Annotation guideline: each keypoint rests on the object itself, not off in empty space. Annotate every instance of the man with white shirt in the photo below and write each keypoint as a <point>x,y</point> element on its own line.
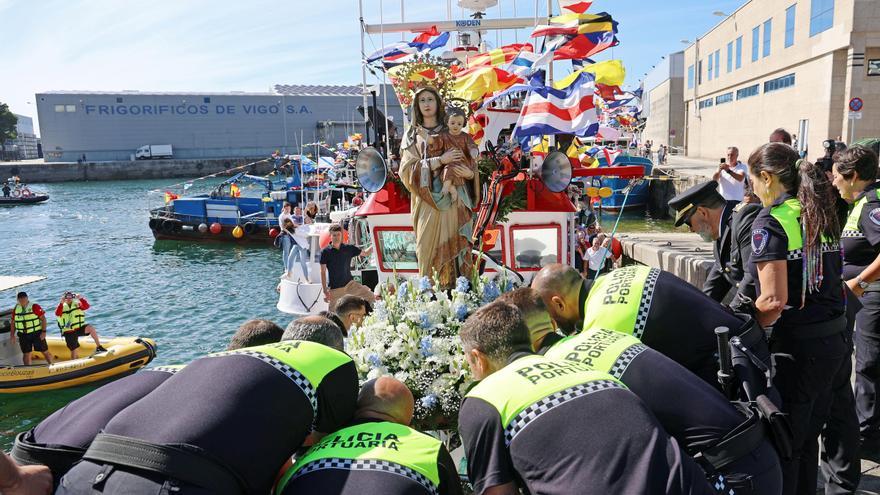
<point>731,176</point>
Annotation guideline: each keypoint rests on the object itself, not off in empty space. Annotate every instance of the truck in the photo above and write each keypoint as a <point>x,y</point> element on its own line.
<point>153,151</point>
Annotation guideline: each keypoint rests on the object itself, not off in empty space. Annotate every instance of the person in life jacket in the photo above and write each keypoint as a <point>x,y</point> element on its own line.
<point>231,419</point>
<point>796,262</point>
<point>60,440</point>
<point>71,318</point>
<point>556,426</point>
<point>29,327</point>
<point>666,313</point>
<point>377,453</point>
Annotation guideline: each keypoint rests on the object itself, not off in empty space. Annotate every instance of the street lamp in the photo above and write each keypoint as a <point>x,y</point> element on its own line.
<point>719,13</point>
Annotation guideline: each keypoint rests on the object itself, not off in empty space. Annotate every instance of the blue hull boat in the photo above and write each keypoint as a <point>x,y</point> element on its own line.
<point>638,197</point>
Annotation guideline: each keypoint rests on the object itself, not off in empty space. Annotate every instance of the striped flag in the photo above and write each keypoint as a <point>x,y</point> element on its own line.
<point>575,6</point>
<point>500,56</point>
<point>523,63</point>
<point>477,83</point>
<point>574,24</point>
<point>402,51</point>
<point>560,111</point>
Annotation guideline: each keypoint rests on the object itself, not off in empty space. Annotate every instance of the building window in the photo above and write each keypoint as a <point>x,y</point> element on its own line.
<point>207,99</point>
<point>768,26</point>
<point>779,83</point>
<point>70,108</point>
<point>700,72</point>
<point>730,57</point>
<point>717,63</point>
<point>118,99</point>
<point>874,67</point>
<point>821,16</point>
<point>706,103</point>
<point>59,108</point>
<point>746,92</point>
<point>739,52</point>
<point>756,43</point>
<point>725,98</point>
<point>789,25</point>
<point>711,65</point>
<point>691,77</point>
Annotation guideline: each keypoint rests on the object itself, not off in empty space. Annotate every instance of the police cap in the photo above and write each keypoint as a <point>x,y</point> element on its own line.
<point>699,195</point>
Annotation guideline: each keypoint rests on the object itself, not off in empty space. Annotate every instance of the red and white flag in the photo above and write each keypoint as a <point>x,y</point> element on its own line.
<point>574,6</point>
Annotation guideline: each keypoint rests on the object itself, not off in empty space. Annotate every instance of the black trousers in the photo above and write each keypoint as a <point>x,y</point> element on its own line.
<point>868,367</point>
<point>805,372</point>
<point>762,466</point>
<point>87,478</point>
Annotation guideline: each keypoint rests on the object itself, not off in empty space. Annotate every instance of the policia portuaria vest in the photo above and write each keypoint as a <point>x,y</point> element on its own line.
<point>788,214</point>
<point>25,319</point>
<point>530,386</point>
<point>72,317</point>
<point>851,229</point>
<point>603,350</point>
<point>621,300</point>
<point>304,363</point>
<point>377,446</point>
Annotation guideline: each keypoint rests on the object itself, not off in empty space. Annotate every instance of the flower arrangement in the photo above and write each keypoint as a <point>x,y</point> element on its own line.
<point>412,334</point>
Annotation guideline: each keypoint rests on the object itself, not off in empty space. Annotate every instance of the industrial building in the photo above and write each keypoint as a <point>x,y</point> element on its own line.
<point>112,125</point>
<point>795,64</point>
<point>663,103</point>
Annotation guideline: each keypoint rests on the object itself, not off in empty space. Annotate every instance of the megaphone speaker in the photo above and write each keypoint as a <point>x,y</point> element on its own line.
<point>556,171</point>
<point>371,170</point>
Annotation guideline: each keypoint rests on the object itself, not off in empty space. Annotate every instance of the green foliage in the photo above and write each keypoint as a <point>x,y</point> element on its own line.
<point>516,200</point>
<point>7,123</point>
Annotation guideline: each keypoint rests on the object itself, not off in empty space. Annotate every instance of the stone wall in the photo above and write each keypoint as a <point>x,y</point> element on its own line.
<point>124,170</point>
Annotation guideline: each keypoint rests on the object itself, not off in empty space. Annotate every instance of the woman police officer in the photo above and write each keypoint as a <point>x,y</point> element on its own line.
<point>854,176</point>
<point>796,262</point>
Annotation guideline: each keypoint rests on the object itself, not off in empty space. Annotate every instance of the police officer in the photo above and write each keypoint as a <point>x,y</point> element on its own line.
<point>378,453</point>
<point>734,449</point>
<point>729,225</point>
<point>663,311</point>
<point>796,263</point>
<point>62,438</point>
<point>556,426</point>
<point>226,422</point>
<point>854,176</point>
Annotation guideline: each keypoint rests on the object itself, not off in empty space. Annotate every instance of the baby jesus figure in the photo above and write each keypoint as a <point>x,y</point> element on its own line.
<point>458,173</point>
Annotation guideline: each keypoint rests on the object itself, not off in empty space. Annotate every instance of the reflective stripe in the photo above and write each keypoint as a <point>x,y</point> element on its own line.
<point>295,376</point>
<point>622,362</point>
<point>827,247</point>
<point>621,300</point>
<point>851,229</point>
<point>25,319</point>
<point>367,465</point>
<point>72,317</point>
<point>645,303</point>
<point>600,349</point>
<point>534,411</point>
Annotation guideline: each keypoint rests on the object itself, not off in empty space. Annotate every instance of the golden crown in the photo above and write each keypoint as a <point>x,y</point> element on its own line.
<point>423,72</point>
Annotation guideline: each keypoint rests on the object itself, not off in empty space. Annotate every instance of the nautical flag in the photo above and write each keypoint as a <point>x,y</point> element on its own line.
<point>610,155</point>
<point>559,111</point>
<point>480,82</point>
<point>549,51</point>
<point>523,63</point>
<point>586,45</point>
<point>574,24</point>
<point>170,196</point>
<point>608,72</point>
<point>397,52</point>
<point>575,6</point>
<point>234,190</point>
<point>499,56</point>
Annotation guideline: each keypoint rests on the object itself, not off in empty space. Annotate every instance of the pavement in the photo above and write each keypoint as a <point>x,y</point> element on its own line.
<point>689,257</point>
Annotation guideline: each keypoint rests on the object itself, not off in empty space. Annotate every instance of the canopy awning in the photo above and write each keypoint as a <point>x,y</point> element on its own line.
<point>10,281</point>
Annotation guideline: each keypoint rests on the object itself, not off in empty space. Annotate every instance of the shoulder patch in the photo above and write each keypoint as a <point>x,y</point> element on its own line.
<point>759,240</point>
<point>875,216</point>
<point>739,206</point>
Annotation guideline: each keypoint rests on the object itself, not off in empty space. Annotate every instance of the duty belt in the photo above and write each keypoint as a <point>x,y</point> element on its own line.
<point>737,444</point>
<point>59,459</point>
<point>180,463</point>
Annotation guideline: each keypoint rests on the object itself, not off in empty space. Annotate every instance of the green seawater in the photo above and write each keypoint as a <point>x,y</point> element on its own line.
<point>93,238</point>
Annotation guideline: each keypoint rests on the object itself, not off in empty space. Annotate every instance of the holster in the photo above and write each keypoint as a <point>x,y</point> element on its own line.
<point>780,428</point>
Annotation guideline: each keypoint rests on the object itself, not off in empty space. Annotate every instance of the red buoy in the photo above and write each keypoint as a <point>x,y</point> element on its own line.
<point>273,232</point>
<point>216,228</point>
<point>324,238</point>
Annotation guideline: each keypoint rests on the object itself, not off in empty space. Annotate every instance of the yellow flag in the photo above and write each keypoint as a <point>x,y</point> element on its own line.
<point>609,72</point>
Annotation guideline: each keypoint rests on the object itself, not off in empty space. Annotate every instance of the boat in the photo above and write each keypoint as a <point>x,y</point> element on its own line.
<point>123,356</point>
<point>638,195</point>
<point>24,200</point>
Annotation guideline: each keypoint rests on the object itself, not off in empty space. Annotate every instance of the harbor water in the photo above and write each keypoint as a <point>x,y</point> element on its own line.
<point>93,238</point>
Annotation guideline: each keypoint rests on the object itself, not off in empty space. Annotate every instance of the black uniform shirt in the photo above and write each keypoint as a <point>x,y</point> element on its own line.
<point>241,410</point>
<point>720,279</point>
<point>770,243</point>
<point>338,263</point>
<point>344,481</point>
<point>599,443</point>
<point>860,250</point>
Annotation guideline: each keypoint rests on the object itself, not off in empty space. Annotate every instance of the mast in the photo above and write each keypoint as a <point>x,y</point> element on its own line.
<point>363,67</point>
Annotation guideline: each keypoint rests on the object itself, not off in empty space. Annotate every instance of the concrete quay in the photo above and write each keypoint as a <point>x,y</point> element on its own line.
<point>37,171</point>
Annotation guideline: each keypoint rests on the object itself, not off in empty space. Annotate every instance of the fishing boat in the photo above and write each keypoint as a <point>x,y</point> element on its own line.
<point>123,356</point>
<point>21,194</point>
<point>624,194</point>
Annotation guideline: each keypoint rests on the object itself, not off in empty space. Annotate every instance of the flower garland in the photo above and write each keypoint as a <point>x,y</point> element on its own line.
<point>412,334</point>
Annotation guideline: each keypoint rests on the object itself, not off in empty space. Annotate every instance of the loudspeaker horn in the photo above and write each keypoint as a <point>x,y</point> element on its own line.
<point>556,171</point>
<point>371,170</point>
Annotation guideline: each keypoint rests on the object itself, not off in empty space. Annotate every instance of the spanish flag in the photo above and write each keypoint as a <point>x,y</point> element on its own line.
<point>477,83</point>
<point>234,190</point>
<point>169,197</point>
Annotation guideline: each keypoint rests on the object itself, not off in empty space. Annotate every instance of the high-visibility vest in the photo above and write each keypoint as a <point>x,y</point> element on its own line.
<point>852,229</point>
<point>600,349</point>
<point>621,300</point>
<point>377,446</point>
<point>25,319</point>
<point>788,214</point>
<point>530,386</point>
<point>72,317</point>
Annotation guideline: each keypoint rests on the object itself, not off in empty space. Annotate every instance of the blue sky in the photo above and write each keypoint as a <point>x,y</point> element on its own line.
<point>201,45</point>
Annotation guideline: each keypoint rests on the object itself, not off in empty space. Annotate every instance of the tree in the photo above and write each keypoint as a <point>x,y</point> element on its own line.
<point>8,120</point>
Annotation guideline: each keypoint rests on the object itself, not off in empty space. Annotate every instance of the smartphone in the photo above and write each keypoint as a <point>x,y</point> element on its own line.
<point>724,160</point>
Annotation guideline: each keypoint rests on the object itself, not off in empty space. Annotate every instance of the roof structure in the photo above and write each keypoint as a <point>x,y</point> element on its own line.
<point>317,90</point>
